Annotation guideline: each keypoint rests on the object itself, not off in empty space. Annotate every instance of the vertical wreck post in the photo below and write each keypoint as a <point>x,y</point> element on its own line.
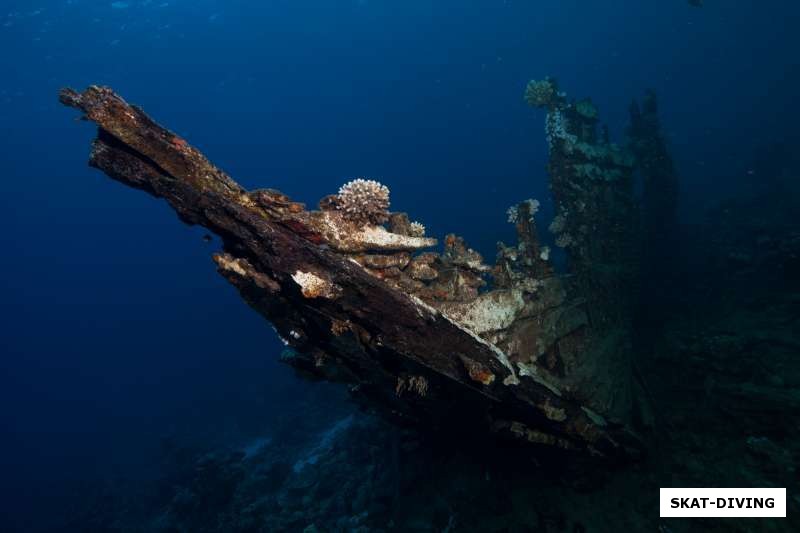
<point>660,188</point>
<point>595,224</point>
<point>659,178</point>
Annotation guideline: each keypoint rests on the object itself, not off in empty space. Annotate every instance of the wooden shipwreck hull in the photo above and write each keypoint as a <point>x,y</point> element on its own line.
<point>362,304</point>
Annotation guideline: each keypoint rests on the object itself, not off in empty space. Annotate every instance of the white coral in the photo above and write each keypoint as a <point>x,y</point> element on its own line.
<point>416,229</point>
<point>556,130</point>
<point>544,253</point>
<point>364,201</point>
<point>513,214</point>
<point>313,286</point>
<point>513,211</point>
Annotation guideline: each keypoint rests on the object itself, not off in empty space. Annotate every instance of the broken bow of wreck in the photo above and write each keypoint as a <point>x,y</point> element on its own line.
<point>433,339</point>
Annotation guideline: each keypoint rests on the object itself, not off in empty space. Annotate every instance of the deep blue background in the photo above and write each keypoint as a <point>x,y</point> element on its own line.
<point>117,329</point>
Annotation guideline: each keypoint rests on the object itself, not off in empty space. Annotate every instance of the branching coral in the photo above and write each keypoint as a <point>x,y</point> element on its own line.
<point>364,201</point>
<point>513,211</point>
<point>541,93</point>
<point>586,109</point>
<point>416,229</point>
<point>513,214</point>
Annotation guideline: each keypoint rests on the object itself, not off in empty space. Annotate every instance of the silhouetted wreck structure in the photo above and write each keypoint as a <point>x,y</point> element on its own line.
<point>659,179</point>
<point>660,244</point>
<point>356,293</point>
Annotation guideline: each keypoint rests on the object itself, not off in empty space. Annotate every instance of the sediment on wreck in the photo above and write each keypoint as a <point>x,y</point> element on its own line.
<point>359,297</point>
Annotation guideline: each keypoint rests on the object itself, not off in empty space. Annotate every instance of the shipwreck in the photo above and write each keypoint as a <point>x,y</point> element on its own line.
<point>428,333</point>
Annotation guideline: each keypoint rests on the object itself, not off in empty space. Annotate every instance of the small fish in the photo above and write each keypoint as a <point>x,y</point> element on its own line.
<point>696,3</point>
<point>206,238</point>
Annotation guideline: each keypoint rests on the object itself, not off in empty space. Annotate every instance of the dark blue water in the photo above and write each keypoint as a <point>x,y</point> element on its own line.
<point>116,328</point>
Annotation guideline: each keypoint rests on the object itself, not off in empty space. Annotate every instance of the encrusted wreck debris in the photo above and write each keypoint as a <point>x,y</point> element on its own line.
<point>439,340</point>
<point>595,223</point>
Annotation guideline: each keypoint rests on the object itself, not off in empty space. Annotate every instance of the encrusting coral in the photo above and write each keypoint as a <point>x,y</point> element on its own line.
<point>364,201</point>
